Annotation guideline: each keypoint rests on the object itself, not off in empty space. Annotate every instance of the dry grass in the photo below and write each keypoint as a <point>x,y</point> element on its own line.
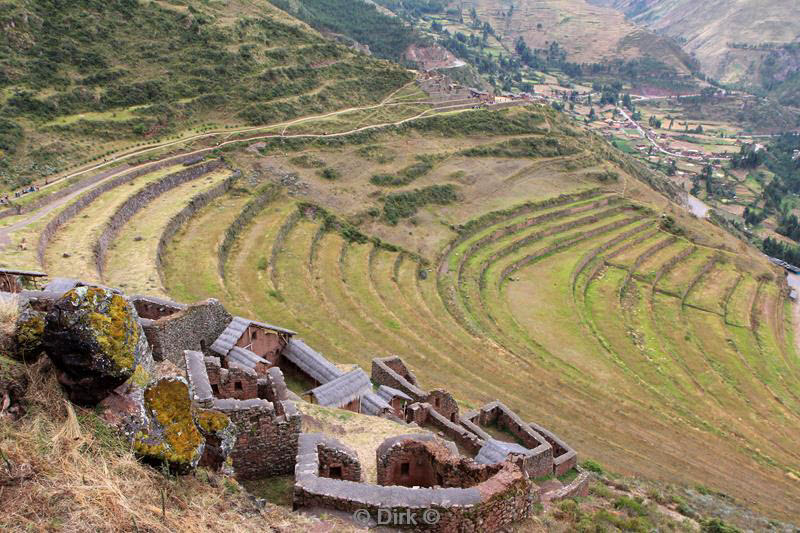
<point>68,471</point>
<point>9,311</point>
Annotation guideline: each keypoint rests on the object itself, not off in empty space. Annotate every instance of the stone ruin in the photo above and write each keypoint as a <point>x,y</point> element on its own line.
<point>218,381</point>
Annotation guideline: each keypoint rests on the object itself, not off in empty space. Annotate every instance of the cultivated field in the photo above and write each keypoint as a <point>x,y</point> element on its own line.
<point>544,283</point>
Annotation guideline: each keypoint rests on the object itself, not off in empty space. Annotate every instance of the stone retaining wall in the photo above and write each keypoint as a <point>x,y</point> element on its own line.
<point>177,221</point>
<point>266,432</point>
<point>138,201</point>
<point>505,498</point>
<point>85,200</point>
<point>250,210</point>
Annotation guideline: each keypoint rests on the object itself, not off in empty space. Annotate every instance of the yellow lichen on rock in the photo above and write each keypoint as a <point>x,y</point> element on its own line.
<point>211,421</point>
<point>173,436</point>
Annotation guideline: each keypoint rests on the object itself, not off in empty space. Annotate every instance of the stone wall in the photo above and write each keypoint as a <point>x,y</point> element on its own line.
<point>564,457</point>
<point>175,223</point>
<point>267,432</point>
<point>424,414</point>
<point>194,328</point>
<point>138,201</point>
<point>235,382</point>
<point>266,442</point>
<point>337,461</point>
<point>422,461</point>
<point>538,461</point>
<point>498,502</point>
<point>392,372</point>
<point>444,403</point>
<point>69,212</point>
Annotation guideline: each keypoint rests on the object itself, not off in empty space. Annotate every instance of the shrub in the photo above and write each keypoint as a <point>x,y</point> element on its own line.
<point>592,466</point>
<point>633,507</point>
<point>329,174</point>
<point>405,204</point>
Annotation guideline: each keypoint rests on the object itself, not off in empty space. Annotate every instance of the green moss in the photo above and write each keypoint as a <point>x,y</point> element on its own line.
<point>211,421</point>
<point>168,400</point>
<point>141,377</point>
<point>29,335</point>
<point>116,331</point>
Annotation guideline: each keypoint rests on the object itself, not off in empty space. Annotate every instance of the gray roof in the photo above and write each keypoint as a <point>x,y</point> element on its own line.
<point>343,390</point>
<point>228,339</point>
<point>373,404</point>
<point>311,362</point>
<point>389,393</point>
<point>29,273</point>
<point>61,285</point>
<point>495,451</point>
<point>158,301</point>
<point>245,358</point>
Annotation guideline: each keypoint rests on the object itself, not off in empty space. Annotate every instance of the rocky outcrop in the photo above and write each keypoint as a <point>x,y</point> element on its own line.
<point>220,436</point>
<point>95,341</point>
<point>29,334</point>
<point>170,435</point>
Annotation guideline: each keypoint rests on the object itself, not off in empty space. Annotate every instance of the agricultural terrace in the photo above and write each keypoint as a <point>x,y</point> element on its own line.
<point>502,255</point>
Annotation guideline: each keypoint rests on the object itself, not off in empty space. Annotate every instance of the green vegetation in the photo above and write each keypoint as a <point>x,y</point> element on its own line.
<point>103,59</point>
<point>406,175</point>
<point>405,204</point>
<point>525,147</point>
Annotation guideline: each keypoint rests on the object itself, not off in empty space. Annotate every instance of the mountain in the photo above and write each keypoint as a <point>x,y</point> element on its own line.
<point>747,41</point>
<point>81,80</point>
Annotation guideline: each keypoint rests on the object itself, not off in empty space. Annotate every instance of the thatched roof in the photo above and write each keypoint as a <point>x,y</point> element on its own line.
<point>245,358</point>
<point>343,390</point>
<point>495,451</point>
<point>311,362</point>
<point>389,393</point>
<point>373,404</point>
<point>228,339</point>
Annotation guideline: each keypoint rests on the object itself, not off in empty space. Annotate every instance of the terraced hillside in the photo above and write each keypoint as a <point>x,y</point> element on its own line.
<point>82,80</point>
<point>503,255</point>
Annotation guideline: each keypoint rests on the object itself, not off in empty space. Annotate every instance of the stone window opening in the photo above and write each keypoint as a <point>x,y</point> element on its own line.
<point>436,402</point>
<point>405,469</point>
<point>215,389</point>
<point>202,345</point>
<point>335,472</point>
<point>237,385</point>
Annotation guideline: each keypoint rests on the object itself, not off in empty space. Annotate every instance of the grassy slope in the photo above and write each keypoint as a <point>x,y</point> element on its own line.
<point>627,374</point>
<point>89,78</point>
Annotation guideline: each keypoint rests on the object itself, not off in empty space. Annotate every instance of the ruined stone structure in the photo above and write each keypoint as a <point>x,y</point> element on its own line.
<point>267,428</point>
<point>482,478</point>
<point>172,328</point>
<point>483,499</point>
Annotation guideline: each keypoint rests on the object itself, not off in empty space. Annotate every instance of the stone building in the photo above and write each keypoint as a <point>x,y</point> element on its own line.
<point>267,424</point>
<point>344,392</point>
<point>254,344</point>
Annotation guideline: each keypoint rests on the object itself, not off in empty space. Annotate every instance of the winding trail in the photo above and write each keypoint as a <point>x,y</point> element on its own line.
<point>5,232</point>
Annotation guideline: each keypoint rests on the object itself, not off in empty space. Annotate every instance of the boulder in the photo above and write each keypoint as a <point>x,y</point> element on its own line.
<point>170,435</point>
<point>94,339</point>
<point>220,435</point>
<point>29,334</point>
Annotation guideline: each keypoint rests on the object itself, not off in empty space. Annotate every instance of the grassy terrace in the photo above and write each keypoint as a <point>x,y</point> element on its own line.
<point>656,353</point>
<point>139,238</point>
<point>76,238</point>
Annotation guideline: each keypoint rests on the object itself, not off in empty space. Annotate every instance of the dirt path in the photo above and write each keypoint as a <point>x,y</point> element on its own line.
<point>45,210</point>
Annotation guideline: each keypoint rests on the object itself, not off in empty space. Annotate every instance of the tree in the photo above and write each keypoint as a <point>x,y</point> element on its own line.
<point>592,114</point>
